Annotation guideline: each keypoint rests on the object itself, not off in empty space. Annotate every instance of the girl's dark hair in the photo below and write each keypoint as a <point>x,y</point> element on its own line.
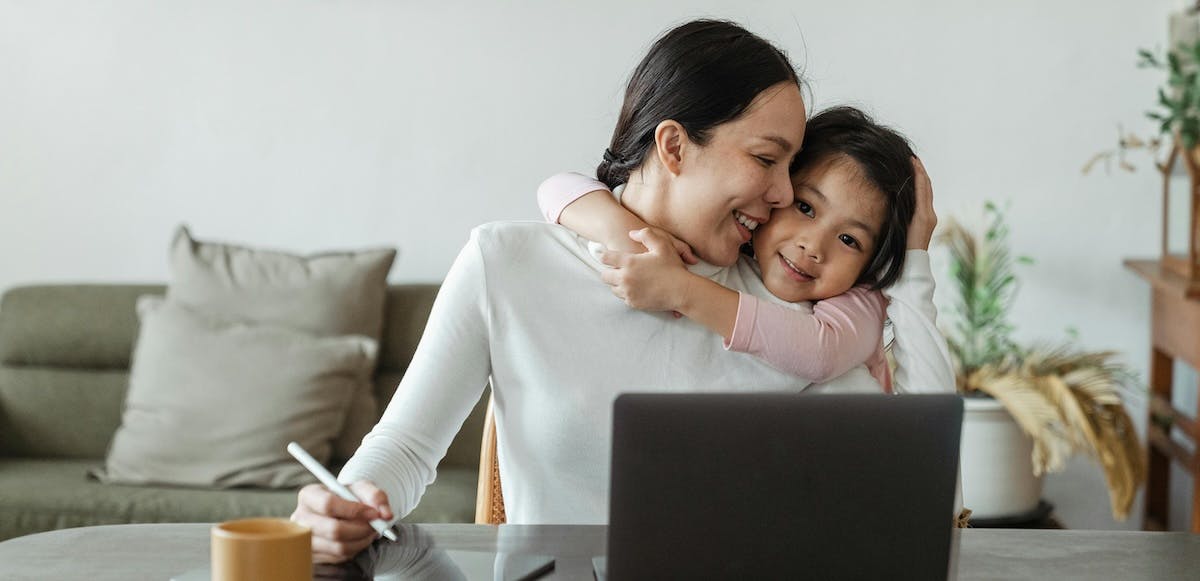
<point>885,159</point>
<point>700,74</point>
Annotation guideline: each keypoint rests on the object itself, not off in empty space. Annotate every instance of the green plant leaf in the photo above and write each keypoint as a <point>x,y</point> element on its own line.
<point>1164,100</point>
<point>1147,59</point>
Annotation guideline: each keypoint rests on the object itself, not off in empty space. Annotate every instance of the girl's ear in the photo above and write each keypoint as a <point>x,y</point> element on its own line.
<point>670,139</point>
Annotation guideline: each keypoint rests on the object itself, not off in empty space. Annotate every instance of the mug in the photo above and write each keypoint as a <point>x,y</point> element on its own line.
<point>261,549</point>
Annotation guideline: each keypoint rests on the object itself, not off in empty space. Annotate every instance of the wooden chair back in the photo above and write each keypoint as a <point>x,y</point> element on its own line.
<point>489,498</point>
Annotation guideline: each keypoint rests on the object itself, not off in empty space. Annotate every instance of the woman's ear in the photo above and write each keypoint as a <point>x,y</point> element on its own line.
<point>670,138</point>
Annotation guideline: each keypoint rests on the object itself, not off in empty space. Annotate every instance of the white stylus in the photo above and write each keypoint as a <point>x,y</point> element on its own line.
<point>331,483</point>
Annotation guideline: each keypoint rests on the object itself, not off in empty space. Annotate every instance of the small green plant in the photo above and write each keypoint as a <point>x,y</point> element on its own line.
<point>982,268</point>
<point>1177,115</point>
<point>1179,100</point>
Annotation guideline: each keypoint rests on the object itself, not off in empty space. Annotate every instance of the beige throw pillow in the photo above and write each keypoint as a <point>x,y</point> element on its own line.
<point>335,293</point>
<point>213,402</point>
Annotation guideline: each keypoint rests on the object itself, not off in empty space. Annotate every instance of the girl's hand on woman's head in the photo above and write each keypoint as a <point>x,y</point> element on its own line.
<point>655,280</point>
<point>920,232</point>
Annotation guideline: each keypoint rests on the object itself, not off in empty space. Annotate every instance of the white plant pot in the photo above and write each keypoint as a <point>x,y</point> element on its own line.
<point>997,464</point>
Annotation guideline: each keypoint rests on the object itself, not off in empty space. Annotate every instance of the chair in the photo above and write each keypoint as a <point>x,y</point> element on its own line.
<point>489,498</point>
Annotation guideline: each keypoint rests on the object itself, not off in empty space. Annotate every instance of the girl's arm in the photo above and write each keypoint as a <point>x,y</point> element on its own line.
<point>923,363</point>
<point>840,333</point>
<point>588,207</point>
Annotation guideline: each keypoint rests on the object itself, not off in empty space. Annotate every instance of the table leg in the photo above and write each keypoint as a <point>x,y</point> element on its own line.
<point>1158,464</point>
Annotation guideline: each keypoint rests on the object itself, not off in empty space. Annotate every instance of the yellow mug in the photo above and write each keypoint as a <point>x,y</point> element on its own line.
<point>261,549</point>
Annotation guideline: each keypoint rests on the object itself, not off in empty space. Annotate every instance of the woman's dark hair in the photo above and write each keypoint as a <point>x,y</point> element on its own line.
<point>700,74</point>
<point>884,158</point>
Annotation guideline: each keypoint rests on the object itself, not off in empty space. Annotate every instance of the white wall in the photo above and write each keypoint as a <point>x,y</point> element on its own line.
<point>314,124</point>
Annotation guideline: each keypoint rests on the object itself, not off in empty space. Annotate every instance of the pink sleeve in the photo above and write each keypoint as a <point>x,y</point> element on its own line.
<point>840,333</point>
<point>559,190</point>
<point>877,364</point>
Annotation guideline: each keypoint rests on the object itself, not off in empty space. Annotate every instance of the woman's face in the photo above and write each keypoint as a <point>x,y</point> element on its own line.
<point>725,189</point>
<point>819,247</point>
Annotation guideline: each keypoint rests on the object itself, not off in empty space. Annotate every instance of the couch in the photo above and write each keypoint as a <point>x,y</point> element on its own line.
<point>64,369</point>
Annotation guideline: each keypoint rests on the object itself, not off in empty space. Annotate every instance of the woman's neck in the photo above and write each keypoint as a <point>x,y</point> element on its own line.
<point>645,199</point>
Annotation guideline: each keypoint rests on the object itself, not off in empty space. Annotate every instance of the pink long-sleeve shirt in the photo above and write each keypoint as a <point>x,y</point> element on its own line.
<point>838,334</point>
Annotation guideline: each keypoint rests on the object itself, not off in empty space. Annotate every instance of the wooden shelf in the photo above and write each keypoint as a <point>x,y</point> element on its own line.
<point>1174,334</point>
<point>1163,278</point>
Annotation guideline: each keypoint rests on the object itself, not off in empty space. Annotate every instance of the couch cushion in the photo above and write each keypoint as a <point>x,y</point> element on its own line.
<point>49,331</point>
<point>94,326</point>
<point>42,495</point>
<point>59,412</point>
<point>333,293</point>
<point>405,313</point>
<point>74,326</point>
<point>214,401</point>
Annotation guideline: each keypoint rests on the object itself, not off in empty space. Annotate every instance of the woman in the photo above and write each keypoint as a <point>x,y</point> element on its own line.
<point>712,117</point>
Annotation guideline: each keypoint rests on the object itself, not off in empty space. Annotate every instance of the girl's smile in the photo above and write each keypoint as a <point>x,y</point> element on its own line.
<point>819,247</point>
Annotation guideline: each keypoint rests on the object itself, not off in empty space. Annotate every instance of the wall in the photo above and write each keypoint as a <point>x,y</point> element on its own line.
<point>307,125</point>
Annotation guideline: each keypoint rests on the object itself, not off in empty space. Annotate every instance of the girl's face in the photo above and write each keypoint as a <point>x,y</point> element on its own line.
<point>727,187</point>
<point>819,247</point>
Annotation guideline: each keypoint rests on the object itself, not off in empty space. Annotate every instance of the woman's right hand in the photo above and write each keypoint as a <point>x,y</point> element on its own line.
<point>340,528</point>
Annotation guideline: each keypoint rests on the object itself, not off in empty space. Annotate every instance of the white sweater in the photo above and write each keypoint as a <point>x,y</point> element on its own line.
<point>523,304</point>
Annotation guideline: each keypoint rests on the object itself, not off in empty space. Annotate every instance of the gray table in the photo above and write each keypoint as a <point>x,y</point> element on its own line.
<point>158,551</point>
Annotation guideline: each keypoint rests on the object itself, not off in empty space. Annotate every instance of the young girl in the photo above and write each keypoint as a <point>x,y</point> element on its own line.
<point>841,241</point>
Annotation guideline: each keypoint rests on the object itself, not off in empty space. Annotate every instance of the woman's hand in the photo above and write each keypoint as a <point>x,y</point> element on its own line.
<point>340,528</point>
<point>920,232</point>
<point>655,280</point>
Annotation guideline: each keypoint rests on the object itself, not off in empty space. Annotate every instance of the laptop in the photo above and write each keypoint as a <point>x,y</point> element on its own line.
<point>782,486</point>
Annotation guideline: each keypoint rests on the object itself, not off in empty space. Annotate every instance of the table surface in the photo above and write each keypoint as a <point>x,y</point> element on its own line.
<point>160,551</point>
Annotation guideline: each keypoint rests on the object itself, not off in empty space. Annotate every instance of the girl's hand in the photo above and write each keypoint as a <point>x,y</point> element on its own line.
<point>637,246</point>
<point>685,251</point>
<point>655,280</point>
<point>920,232</point>
<point>634,245</point>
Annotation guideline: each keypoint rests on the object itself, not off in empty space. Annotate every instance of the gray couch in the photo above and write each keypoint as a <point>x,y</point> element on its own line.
<point>64,369</point>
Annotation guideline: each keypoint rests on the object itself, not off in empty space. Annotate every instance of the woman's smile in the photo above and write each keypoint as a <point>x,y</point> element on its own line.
<point>746,224</point>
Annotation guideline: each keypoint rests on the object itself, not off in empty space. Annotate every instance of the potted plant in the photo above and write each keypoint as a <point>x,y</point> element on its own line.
<point>1028,408</point>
